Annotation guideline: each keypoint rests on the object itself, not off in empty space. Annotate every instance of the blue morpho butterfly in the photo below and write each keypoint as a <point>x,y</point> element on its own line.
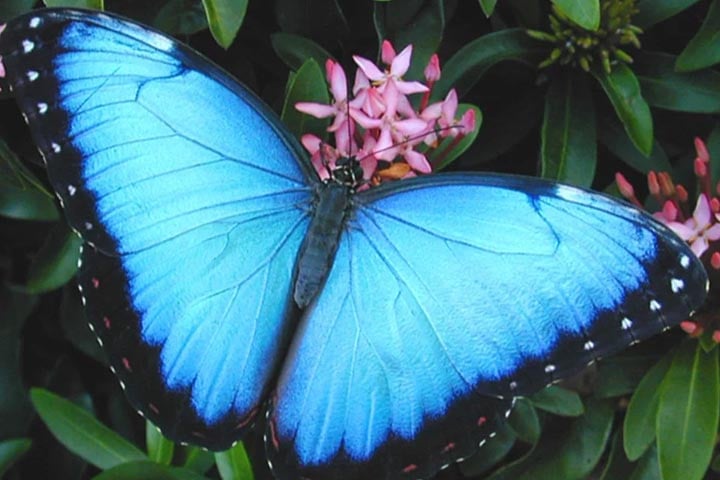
<point>429,304</point>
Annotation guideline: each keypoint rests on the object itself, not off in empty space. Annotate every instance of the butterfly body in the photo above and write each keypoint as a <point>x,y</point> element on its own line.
<point>321,241</point>
<point>430,303</point>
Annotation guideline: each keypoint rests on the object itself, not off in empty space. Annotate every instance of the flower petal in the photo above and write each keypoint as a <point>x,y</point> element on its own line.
<point>699,246</point>
<point>311,142</point>
<point>417,161</point>
<point>682,231</point>
<point>369,68</point>
<point>338,83</point>
<point>411,127</point>
<point>409,88</point>
<point>387,52</point>
<point>317,110</point>
<point>702,212</point>
<point>713,233</point>
<point>401,62</point>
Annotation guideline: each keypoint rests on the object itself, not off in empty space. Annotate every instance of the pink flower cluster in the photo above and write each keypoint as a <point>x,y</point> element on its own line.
<point>699,227</point>
<point>378,125</point>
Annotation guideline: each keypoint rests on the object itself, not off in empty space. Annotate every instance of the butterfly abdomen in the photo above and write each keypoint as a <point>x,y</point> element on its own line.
<point>321,241</point>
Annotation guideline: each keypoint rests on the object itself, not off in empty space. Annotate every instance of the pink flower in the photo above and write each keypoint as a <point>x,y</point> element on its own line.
<point>699,230</point>
<point>338,87</point>
<point>378,126</point>
<point>399,65</point>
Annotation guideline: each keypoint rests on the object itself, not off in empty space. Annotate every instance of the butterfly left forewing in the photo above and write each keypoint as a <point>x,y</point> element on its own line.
<point>192,202</point>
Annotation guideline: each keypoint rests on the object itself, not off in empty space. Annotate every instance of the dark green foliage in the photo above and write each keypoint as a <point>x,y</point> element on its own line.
<point>560,122</point>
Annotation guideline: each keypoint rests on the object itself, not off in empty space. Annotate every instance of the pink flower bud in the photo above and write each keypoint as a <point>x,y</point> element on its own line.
<point>700,166</point>
<point>432,71</point>
<point>682,194</point>
<point>625,187</point>
<point>691,328</point>
<point>670,211</point>
<point>716,336</point>
<point>701,150</point>
<point>715,205</point>
<point>715,260</point>
<point>467,122</point>
<point>653,184</point>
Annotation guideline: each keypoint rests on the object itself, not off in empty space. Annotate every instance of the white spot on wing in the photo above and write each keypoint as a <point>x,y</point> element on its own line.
<point>71,190</point>
<point>549,368</point>
<point>676,285</point>
<point>34,22</point>
<point>32,75</point>
<point>589,345</point>
<point>55,147</point>
<point>655,306</point>
<point>685,261</point>
<point>27,46</point>
<point>626,323</point>
<point>42,108</point>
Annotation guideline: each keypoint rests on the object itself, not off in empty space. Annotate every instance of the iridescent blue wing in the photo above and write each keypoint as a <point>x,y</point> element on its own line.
<point>192,203</point>
<point>450,291</point>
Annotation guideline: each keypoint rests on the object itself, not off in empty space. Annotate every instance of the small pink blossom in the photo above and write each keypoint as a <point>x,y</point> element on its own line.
<point>700,229</point>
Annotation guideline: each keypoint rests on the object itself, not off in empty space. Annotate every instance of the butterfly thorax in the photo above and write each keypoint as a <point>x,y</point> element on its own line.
<point>321,241</point>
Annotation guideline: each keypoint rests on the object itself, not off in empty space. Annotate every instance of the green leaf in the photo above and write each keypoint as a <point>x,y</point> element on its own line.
<point>504,127</point>
<point>419,24</point>
<point>468,65</point>
<point>56,262</point>
<point>12,8</point>
<point>11,451</point>
<point>569,457</point>
<point>448,151</point>
<point>75,325</point>
<point>612,135</point>
<point>617,465</point>
<point>641,415</point>
<point>307,85</point>
<point>15,409</point>
<point>295,50</point>
<point>559,401</point>
<point>623,90</point>
<point>648,467</point>
<point>22,195</point>
<point>492,451</point>
<point>687,420</point>
<point>160,449</point>
<point>147,470</point>
<point>199,460</point>
<point>703,50</point>
<point>91,4</point>
<point>620,374</point>
<point>225,17</point>
<point>585,13</point>
<point>16,173</point>
<point>651,12</point>
<point>81,433</point>
<point>524,421</point>
<point>568,148</point>
<point>180,17</point>
<point>488,6</point>
<point>663,87</point>
<point>233,464</point>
